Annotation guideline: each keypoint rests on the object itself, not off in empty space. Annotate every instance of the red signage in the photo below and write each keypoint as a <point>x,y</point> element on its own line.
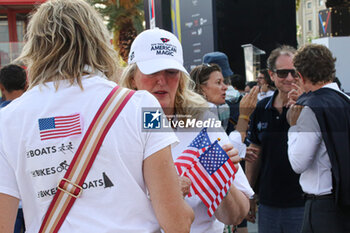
<point>21,2</point>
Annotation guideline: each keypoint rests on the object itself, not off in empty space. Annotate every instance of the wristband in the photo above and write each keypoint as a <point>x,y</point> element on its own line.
<point>245,117</point>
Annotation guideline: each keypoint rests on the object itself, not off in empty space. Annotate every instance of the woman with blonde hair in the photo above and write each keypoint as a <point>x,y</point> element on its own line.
<point>156,65</point>
<point>128,189</point>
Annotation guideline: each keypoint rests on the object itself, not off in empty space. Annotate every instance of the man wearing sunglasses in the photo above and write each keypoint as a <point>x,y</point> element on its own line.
<point>281,206</point>
<point>319,142</point>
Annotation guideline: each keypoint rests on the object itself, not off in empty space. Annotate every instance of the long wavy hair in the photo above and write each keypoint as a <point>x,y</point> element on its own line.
<point>62,37</point>
<point>187,102</point>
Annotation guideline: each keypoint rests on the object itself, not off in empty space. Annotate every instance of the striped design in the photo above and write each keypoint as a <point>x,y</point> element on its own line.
<point>84,158</point>
<point>211,189</point>
<point>187,159</point>
<point>189,156</point>
<point>59,127</point>
<point>151,9</point>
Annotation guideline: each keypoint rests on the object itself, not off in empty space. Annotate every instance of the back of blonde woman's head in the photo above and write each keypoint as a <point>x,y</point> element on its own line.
<point>62,37</point>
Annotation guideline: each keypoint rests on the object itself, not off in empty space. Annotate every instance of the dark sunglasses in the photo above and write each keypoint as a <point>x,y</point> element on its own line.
<point>284,73</point>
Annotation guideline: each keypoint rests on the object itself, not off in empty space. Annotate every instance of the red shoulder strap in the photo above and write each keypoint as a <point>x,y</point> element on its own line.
<point>70,187</point>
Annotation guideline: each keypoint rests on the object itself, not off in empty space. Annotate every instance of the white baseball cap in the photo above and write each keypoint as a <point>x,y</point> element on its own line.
<point>154,50</point>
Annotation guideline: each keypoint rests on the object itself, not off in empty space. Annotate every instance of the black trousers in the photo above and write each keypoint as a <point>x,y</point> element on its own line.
<point>323,216</point>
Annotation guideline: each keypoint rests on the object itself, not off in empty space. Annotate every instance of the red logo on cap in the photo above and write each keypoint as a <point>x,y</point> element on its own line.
<point>164,39</point>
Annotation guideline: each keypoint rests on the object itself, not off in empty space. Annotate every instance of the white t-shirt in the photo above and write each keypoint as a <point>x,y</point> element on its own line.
<point>114,197</point>
<point>202,223</point>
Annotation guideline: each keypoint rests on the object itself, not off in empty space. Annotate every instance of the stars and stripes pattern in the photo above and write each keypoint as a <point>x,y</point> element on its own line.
<point>192,152</point>
<point>211,176</point>
<point>60,126</point>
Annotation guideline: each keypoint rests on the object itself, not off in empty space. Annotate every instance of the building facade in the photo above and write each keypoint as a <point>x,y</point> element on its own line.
<point>308,20</point>
<point>13,24</point>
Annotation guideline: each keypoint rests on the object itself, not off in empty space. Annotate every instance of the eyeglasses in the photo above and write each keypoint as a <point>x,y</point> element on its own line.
<point>283,73</point>
<point>203,67</point>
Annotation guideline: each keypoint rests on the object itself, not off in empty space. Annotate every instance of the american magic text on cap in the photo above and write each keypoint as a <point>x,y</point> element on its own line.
<point>166,49</point>
<point>191,123</point>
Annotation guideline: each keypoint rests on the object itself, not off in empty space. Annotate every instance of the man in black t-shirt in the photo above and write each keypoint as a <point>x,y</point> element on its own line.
<point>281,205</point>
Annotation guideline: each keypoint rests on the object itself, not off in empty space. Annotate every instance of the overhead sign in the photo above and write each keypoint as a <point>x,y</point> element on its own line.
<point>192,23</point>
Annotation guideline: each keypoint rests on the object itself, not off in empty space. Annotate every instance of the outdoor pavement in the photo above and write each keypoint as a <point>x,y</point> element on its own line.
<point>253,227</point>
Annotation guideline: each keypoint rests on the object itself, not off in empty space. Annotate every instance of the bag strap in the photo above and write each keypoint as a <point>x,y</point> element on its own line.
<point>70,187</point>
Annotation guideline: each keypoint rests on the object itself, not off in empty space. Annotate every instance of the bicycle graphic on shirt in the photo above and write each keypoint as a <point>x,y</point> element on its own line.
<point>63,166</point>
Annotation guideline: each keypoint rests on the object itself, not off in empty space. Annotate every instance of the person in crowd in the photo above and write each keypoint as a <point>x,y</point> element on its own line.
<point>70,63</point>
<point>318,142</point>
<point>265,83</point>
<point>163,75</point>
<point>221,60</point>
<point>13,83</point>
<point>281,206</point>
<point>250,85</point>
<point>209,82</point>
<point>238,83</point>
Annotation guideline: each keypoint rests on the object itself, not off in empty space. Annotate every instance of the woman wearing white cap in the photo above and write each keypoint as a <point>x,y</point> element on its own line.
<point>156,65</point>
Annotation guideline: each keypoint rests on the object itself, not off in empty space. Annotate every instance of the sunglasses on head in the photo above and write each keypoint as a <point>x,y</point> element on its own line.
<point>283,73</point>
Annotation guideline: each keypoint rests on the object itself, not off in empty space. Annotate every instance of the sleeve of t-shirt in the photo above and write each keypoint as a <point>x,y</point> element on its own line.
<point>236,140</point>
<point>8,183</point>
<point>304,139</point>
<point>155,139</point>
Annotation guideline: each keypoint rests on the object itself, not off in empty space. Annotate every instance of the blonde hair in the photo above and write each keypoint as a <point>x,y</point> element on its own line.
<point>187,102</point>
<point>63,36</point>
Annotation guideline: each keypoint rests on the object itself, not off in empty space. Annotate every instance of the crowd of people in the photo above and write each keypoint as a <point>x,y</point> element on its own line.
<point>76,155</point>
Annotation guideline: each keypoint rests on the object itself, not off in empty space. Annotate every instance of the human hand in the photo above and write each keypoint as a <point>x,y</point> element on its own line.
<point>252,211</point>
<point>248,102</point>
<point>294,94</point>
<point>293,114</point>
<point>251,154</point>
<point>233,154</point>
<point>185,185</point>
<point>264,87</point>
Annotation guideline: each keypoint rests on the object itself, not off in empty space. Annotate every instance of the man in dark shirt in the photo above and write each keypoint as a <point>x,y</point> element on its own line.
<point>281,205</point>
<point>13,83</point>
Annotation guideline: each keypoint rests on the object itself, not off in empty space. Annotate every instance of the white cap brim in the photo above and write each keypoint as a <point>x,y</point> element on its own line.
<point>156,65</point>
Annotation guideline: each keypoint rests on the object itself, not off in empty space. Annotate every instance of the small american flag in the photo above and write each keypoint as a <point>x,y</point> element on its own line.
<point>59,127</point>
<point>193,151</point>
<point>212,176</point>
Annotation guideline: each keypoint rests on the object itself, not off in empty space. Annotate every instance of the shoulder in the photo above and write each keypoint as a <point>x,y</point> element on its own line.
<point>145,99</point>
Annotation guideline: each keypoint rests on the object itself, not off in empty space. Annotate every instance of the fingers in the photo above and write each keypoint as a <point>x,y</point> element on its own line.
<point>290,103</point>
<point>248,102</point>
<point>264,87</point>
<point>227,147</point>
<point>251,154</point>
<point>252,211</point>
<point>232,153</point>
<point>185,184</point>
<point>254,91</point>
<point>293,113</point>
